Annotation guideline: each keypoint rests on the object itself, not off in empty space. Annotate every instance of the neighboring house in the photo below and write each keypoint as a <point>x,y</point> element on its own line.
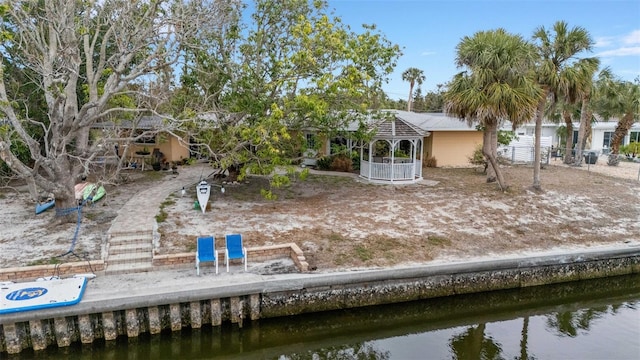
<point>149,138</point>
<point>601,134</point>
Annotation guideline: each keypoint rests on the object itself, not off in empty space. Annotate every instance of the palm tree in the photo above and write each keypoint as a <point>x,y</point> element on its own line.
<point>581,76</point>
<point>495,87</point>
<point>557,53</point>
<point>619,99</point>
<point>413,76</point>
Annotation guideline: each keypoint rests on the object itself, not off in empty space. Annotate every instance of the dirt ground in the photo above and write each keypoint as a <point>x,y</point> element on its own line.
<point>342,223</point>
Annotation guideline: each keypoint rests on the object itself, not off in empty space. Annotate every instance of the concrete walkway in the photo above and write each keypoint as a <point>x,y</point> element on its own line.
<point>130,238</point>
<point>138,214</point>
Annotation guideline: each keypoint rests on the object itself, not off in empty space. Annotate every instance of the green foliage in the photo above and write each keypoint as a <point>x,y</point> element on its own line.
<point>294,66</point>
<point>477,158</point>
<point>324,163</point>
<point>339,162</point>
<point>506,137</point>
<point>631,149</point>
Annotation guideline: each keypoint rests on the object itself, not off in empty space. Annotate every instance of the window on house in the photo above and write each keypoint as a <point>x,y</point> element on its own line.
<point>575,138</point>
<point>141,137</point>
<point>606,140</point>
<point>311,141</point>
<point>338,145</point>
<point>634,136</point>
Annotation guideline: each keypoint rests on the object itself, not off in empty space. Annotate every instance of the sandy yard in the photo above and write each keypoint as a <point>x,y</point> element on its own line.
<point>343,223</point>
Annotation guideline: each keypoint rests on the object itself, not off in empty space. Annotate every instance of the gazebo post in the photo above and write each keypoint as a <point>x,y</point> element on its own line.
<point>393,160</point>
<point>413,158</point>
<point>370,161</point>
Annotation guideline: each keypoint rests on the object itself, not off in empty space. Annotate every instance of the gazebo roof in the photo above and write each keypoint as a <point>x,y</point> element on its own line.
<point>398,128</point>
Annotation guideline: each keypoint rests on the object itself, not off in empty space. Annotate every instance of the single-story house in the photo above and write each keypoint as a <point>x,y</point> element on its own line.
<point>150,141</point>
<point>403,142</point>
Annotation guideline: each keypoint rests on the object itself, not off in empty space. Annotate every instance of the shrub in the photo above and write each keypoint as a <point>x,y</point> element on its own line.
<point>477,158</point>
<point>342,163</point>
<point>355,160</point>
<point>431,162</point>
<point>324,163</point>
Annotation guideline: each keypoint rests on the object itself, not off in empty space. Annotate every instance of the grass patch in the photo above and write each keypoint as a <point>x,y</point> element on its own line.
<point>383,244</point>
<point>335,237</point>
<point>363,253</point>
<point>50,261</point>
<point>162,216</point>
<point>340,259</point>
<point>438,241</point>
<point>167,202</point>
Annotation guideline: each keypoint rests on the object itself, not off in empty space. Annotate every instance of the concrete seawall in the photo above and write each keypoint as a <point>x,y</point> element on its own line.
<point>177,303</point>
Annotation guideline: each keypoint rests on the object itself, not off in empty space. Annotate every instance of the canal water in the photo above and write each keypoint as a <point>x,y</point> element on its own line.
<point>596,319</point>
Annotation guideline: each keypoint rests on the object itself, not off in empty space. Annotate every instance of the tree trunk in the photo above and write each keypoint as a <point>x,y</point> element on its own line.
<point>618,136</point>
<point>64,191</point>
<point>410,96</point>
<point>538,132</point>
<point>493,148</point>
<point>489,154</point>
<point>585,116</point>
<point>568,121</point>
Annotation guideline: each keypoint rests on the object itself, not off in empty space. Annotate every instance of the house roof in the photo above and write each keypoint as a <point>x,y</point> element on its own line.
<point>144,123</point>
<point>433,121</point>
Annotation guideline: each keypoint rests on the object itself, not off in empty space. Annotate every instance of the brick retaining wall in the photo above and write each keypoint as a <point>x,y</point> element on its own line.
<point>63,270</point>
<point>254,255</point>
<point>159,262</point>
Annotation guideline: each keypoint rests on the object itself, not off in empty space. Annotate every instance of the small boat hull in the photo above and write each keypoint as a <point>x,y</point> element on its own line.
<point>42,207</point>
<point>93,193</point>
<point>203,189</point>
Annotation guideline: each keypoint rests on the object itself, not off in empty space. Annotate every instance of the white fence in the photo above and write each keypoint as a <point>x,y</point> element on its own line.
<point>387,171</point>
<point>522,150</point>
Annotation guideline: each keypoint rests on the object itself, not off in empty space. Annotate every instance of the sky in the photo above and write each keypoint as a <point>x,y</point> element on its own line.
<point>428,31</point>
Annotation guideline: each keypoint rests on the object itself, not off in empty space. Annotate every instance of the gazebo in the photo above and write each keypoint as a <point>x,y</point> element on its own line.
<point>394,155</point>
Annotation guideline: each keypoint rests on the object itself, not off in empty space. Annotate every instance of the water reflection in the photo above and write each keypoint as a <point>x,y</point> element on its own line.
<point>592,319</point>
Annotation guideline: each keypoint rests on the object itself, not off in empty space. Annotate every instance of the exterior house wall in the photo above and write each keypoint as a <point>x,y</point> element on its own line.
<point>169,145</point>
<point>177,151</point>
<point>452,148</point>
<point>596,142</point>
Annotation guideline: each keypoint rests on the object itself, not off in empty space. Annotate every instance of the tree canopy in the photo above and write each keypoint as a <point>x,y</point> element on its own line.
<point>495,86</point>
<point>240,89</point>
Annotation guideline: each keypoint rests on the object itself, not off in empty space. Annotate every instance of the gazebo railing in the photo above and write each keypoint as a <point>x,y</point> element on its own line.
<point>383,171</point>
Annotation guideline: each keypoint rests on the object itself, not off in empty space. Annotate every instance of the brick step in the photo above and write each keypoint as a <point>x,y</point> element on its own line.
<point>134,233</point>
<point>145,257</point>
<point>130,248</point>
<point>119,269</point>
<point>127,240</point>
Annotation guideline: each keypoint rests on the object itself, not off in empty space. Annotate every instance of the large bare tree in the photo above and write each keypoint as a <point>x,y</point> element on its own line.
<point>80,55</point>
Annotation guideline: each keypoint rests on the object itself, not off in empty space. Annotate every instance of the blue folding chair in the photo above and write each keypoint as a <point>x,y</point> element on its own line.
<point>206,252</point>
<point>235,250</point>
